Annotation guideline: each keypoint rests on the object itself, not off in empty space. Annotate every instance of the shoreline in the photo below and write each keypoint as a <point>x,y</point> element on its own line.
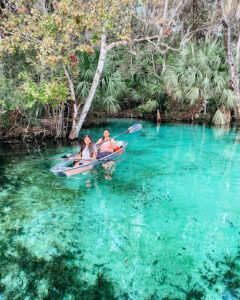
<point>44,135</point>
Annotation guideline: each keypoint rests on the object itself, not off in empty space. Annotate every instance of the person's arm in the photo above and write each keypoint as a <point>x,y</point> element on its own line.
<point>78,157</point>
<point>98,142</point>
<point>95,152</point>
<point>113,144</point>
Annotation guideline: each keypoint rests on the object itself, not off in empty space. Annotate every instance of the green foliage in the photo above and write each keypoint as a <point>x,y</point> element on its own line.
<point>148,107</point>
<point>23,95</point>
<point>52,93</point>
<point>111,84</point>
<point>19,61</point>
<point>142,74</point>
<point>130,79</point>
<point>200,72</point>
<point>7,95</point>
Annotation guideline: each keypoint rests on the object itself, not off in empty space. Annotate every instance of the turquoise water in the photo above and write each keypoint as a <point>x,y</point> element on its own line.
<point>161,223</point>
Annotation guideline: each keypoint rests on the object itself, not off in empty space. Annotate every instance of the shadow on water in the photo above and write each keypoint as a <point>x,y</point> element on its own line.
<point>3,169</point>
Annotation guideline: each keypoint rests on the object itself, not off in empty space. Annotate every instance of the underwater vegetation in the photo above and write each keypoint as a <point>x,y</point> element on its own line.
<point>227,271</point>
<point>30,277</point>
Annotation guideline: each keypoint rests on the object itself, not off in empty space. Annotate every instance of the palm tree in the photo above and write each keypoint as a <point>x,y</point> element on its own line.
<point>144,86</point>
<point>200,75</point>
<point>110,86</point>
<point>150,93</point>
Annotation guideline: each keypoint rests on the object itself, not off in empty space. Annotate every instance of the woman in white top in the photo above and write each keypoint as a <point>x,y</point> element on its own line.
<point>88,151</point>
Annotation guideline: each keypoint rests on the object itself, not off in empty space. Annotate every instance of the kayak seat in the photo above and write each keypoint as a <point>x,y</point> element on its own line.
<point>117,148</point>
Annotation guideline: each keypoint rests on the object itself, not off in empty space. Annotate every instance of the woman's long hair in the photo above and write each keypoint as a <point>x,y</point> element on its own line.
<point>83,145</point>
<point>103,135</point>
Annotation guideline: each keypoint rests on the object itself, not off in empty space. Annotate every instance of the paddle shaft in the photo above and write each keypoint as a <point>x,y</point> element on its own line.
<point>131,129</point>
<point>100,144</point>
<point>120,134</point>
<point>78,159</point>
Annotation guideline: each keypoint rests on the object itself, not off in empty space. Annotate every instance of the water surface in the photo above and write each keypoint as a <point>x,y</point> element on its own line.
<point>162,223</point>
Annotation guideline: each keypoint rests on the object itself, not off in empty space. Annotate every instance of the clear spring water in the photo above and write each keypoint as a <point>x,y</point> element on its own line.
<point>162,223</point>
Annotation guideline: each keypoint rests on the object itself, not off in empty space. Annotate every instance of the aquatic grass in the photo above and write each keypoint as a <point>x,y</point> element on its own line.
<point>58,279</point>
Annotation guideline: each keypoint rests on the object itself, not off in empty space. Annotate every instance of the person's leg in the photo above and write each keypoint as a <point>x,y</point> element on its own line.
<point>78,163</point>
<point>103,154</point>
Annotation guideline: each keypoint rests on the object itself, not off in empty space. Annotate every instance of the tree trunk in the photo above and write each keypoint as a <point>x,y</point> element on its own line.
<point>238,49</point>
<point>1,65</point>
<point>194,15</point>
<point>164,18</point>
<point>227,113</point>
<point>41,5</point>
<point>232,65</point>
<point>73,98</point>
<point>194,111</point>
<point>158,116</point>
<point>76,127</point>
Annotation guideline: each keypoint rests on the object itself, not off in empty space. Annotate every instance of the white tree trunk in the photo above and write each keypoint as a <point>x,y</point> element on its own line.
<point>1,65</point>
<point>103,53</point>
<point>41,5</point>
<point>228,49</point>
<point>164,18</point>
<point>238,50</point>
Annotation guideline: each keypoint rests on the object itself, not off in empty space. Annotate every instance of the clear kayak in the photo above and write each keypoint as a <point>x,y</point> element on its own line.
<point>64,167</point>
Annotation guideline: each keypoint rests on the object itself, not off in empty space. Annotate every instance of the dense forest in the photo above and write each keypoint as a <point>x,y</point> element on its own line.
<point>63,62</point>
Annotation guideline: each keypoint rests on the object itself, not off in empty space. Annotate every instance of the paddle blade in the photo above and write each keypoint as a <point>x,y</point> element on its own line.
<point>134,128</point>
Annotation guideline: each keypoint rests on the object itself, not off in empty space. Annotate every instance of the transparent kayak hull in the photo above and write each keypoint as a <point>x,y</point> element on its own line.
<point>63,168</point>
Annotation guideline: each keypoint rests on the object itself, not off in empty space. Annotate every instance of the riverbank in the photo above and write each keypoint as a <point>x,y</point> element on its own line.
<point>45,130</point>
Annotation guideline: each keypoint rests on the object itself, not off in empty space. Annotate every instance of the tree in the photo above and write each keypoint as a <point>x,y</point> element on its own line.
<point>57,31</point>
<point>57,34</point>
<point>111,85</point>
<point>200,75</point>
<point>226,29</point>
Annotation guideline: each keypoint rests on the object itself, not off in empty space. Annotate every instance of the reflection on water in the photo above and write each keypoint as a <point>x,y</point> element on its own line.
<point>221,131</point>
<point>161,223</point>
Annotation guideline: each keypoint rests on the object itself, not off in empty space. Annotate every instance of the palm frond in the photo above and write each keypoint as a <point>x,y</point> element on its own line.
<point>228,98</point>
<point>150,106</point>
<point>199,72</point>
<point>219,118</point>
<point>82,89</point>
<point>110,104</point>
<point>193,94</point>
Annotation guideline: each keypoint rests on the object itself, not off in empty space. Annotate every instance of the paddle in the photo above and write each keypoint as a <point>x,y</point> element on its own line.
<point>131,129</point>
<point>61,158</point>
